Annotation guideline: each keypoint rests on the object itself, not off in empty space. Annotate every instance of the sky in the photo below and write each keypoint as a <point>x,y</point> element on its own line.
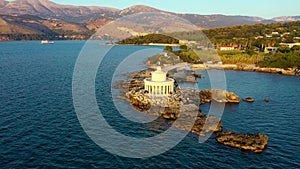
<point>262,8</point>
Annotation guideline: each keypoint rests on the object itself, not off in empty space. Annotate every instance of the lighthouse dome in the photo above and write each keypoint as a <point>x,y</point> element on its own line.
<point>159,75</point>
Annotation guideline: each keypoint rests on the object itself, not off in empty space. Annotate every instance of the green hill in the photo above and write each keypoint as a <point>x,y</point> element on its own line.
<point>151,38</point>
<point>248,36</point>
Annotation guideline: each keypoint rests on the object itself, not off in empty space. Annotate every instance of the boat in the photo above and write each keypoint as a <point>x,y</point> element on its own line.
<point>47,42</point>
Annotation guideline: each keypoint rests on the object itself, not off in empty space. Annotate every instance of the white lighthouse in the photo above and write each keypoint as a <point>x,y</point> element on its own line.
<point>159,84</point>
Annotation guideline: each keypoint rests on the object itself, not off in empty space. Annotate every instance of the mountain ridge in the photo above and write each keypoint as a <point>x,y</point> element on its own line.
<point>47,8</point>
<point>61,17</point>
<point>286,18</point>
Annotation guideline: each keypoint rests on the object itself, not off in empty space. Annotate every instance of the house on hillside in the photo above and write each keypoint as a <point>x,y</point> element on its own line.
<point>226,48</point>
<point>290,45</point>
<point>188,42</point>
<point>270,49</point>
<point>268,36</point>
<point>259,37</point>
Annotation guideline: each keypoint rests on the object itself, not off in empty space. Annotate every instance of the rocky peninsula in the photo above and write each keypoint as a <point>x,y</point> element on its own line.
<point>184,104</point>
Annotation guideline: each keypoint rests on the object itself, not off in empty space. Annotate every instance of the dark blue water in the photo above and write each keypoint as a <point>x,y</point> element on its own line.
<point>39,126</point>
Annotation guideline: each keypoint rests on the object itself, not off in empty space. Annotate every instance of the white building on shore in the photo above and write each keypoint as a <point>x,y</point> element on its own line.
<point>159,84</point>
<point>227,48</point>
<point>290,45</point>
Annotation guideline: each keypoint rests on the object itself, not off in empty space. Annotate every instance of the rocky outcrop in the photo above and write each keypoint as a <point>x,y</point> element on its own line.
<point>135,83</point>
<point>169,107</point>
<point>143,74</point>
<point>138,100</point>
<point>248,99</point>
<point>203,124</point>
<point>185,111</point>
<point>267,100</point>
<point>198,75</point>
<point>184,76</point>
<point>181,109</point>
<point>248,142</point>
<point>183,104</point>
<point>222,96</point>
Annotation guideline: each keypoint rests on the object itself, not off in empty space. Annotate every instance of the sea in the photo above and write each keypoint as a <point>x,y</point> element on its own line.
<point>39,127</point>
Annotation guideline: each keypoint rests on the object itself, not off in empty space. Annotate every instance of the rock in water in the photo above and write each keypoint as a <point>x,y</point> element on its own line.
<point>249,142</point>
<point>203,125</point>
<point>221,96</point>
<point>170,113</point>
<point>197,75</point>
<point>267,99</point>
<point>232,98</point>
<point>206,124</point>
<point>248,99</point>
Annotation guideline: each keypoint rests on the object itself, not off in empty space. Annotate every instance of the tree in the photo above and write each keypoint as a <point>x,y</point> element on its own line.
<point>168,48</point>
<point>284,49</point>
<point>183,47</point>
<point>294,48</point>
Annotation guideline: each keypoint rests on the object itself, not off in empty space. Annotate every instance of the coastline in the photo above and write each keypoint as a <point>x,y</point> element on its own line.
<point>249,68</point>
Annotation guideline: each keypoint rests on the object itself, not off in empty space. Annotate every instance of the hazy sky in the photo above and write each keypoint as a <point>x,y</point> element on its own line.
<point>262,8</point>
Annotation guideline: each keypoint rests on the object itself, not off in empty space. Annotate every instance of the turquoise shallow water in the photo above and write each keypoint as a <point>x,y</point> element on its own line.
<point>39,126</point>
